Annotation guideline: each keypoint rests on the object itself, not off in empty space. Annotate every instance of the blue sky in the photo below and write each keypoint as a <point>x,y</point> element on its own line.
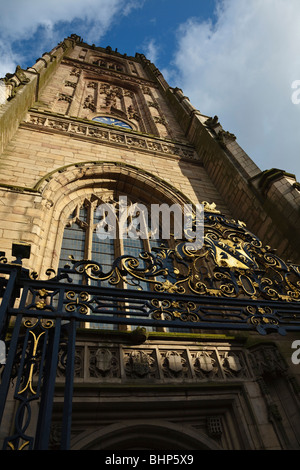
<point>236,59</point>
<point>147,26</point>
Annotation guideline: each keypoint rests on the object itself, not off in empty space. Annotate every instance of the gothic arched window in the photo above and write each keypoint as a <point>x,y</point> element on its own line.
<point>81,240</point>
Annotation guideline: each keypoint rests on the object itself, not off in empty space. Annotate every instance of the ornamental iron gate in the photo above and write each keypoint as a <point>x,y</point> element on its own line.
<point>232,283</point>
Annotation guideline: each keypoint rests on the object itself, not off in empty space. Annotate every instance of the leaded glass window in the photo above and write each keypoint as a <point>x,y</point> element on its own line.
<point>81,241</point>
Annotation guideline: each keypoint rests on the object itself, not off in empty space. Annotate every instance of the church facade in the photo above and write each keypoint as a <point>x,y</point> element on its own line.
<point>152,345</point>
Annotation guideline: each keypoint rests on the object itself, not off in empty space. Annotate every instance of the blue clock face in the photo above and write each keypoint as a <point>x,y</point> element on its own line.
<point>112,122</point>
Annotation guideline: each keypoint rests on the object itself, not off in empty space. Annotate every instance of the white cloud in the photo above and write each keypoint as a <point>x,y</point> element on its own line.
<point>151,50</point>
<point>19,20</point>
<point>242,68</point>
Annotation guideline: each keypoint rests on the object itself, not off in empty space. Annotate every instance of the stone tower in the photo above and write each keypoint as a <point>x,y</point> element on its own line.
<point>84,126</point>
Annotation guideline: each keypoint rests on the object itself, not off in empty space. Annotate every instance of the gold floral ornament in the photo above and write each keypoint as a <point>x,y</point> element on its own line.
<point>36,338</point>
<point>42,303</point>
<point>185,311</point>
<point>232,263</point>
<point>262,318</point>
<point>78,302</point>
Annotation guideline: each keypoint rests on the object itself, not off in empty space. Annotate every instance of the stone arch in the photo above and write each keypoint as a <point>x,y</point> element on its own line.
<point>61,189</point>
<point>138,435</point>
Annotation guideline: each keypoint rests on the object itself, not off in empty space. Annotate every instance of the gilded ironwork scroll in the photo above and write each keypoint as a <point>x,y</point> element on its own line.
<point>233,263</point>
<point>232,282</point>
<point>28,371</point>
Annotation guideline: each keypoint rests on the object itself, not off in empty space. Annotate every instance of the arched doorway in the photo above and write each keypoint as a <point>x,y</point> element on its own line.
<point>137,435</point>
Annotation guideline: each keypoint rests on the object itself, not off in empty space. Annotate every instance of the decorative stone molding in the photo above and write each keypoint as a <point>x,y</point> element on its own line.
<point>103,362</point>
<point>139,363</point>
<point>13,81</point>
<point>64,97</point>
<point>266,361</point>
<point>159,363</point>
<point>107,72</point>
<point>70,84</point>
<point>224,138</point>
<point>108,135</point>
<point>175,364</point>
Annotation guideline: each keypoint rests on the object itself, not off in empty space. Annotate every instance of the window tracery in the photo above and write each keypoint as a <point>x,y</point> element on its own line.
<point>81,241</point>
<point>109,64</point>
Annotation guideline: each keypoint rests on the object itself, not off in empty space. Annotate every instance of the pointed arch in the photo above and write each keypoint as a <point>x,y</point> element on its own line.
<point>152,435</point>
<point>64,188</point>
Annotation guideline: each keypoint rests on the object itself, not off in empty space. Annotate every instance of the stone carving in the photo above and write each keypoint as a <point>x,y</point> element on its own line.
<point>64,97</point>
<point>75,72</point>
<point>150,144</point>
<point>233,364</point>
<point>191,363</point>
<point>212,122</point>
<point>205,364</point>
<point>160,120</point>
<point>225,137</point>
<point>118,138</point>
<point>132,113</point>
<point>13,81</point>
<point>109,65</point>
<point>89,103</point>
<point>104,88</point>
<point>136,143</point>
<point>37,120</point>
<point>140,364</point>
<point>267,361</point>
<point>100,134</point>
<point>146,90</point>
<point>175,364</point>
<point>58,125</point>
<point>103,363</point>
<point>128,94</point>
<point>78,361</point>
<point>152,104</point>
<point>70,84</point>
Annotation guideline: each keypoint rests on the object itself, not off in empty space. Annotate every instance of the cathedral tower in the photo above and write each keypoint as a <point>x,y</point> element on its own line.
<point>152,345</point>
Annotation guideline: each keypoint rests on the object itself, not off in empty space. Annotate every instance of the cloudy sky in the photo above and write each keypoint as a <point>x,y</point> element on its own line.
<point>238,59</point>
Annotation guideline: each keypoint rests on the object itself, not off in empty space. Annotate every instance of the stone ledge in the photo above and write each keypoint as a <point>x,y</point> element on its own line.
<point>108,135</point>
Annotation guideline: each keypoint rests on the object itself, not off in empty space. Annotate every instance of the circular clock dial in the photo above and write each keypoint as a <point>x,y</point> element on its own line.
<point>112,121</point>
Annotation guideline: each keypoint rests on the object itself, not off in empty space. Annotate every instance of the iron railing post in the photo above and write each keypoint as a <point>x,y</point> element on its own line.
<point>47,395</point>
<point>68,397</point>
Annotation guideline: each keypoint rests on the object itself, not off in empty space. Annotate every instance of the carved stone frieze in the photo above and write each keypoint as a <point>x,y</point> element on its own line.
<point>146,90</point>
<point>153,104</point>
<point>205,364</point>
<point>108,72</point>
<point>267,361</point>
<point>140,364</point>
<point>78,361</point>
<point>75,72</point>
<point>109,136</point>
<point>175,364</point>
<point>57,125</point>
<point>92,85</point>
<point>160,120</point>
<point>188,363</point>
<point>70,84</point>
<point>104,362</point>
<point>64,97</point>
<point>89,103</point>
<point>132,113</point>
<point>233,364</point>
